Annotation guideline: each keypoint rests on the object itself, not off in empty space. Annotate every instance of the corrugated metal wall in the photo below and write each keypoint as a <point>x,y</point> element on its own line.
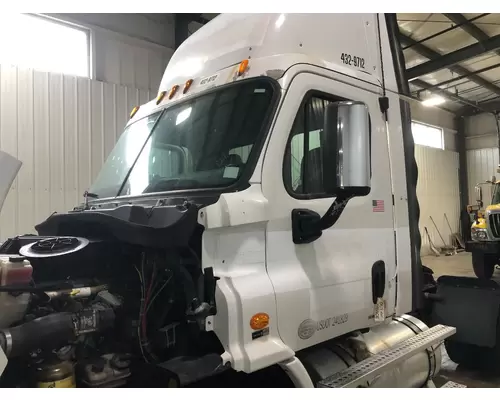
<point>438,193</point>
<point>61,128</point>
<point>481,166</point>
<point>129,64</point>
<point>481,132</point>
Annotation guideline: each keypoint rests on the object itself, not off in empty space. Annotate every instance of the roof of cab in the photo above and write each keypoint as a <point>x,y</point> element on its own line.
<point>348,44</point>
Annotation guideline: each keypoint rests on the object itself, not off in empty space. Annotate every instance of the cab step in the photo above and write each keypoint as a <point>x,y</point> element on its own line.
<point>369,368</point>
<point>452,385</point>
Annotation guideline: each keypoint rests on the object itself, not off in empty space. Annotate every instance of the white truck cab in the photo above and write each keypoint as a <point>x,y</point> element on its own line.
<point>258,88</point>
<point>289,133</point>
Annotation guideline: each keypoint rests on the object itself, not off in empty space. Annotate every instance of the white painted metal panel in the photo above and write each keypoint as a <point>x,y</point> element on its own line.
<point>9,142</point>
<point>481,142</point>
<point>438,193</point>
<point>481,166</point>
<point>70,132</point>
<point>56,169</point>
<point>481,132</point>
<point>41,160</point>
<point>62,128</point>
<point>134,64</point>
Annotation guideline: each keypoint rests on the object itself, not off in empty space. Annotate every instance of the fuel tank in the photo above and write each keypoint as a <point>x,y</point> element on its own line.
<point>334,356</point>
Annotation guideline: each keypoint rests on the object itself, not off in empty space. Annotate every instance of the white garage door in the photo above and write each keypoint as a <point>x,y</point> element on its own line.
<point>438,193</point>
<point>481,166</point>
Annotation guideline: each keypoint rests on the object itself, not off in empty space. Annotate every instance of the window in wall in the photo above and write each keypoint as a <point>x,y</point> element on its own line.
<point>426,135</point>
<point>43,44</point>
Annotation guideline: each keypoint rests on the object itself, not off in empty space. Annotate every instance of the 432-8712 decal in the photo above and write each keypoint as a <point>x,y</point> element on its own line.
<point>353,61</point>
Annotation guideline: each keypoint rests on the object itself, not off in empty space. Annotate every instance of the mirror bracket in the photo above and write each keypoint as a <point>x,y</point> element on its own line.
<point>383,103</point>
<point>306,226</point>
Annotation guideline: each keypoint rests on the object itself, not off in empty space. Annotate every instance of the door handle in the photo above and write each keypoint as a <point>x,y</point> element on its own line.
<point>378,280</point>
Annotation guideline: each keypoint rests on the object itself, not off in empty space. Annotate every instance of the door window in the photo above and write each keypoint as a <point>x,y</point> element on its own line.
<point>305,154</point>
<point>309,159</point>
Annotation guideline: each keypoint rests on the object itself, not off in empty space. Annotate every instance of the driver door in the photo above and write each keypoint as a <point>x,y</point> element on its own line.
<point>324,288</point>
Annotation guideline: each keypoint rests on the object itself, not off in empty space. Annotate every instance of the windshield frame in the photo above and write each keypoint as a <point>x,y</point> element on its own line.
<point>242,182</point>
<point>495,193</point>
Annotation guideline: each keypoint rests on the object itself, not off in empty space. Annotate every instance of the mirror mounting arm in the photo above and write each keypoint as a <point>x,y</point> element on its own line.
<point>335,211</point>
<point>308,226</point>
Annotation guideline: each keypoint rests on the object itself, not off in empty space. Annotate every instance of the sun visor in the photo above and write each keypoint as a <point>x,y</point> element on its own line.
<point>9,167</point>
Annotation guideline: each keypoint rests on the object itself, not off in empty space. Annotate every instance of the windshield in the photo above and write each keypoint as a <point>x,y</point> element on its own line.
<point>496,194</point>
<point>205,142</point>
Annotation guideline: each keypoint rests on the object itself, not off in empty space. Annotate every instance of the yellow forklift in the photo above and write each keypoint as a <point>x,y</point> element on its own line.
<point>484,243</point>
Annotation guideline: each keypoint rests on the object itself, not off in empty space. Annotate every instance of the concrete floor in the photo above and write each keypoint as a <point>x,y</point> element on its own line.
<point>470,378</point>
<point>460,265</point>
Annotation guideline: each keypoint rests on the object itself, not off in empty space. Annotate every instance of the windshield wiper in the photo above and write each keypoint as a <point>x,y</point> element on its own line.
<point>167,184</point>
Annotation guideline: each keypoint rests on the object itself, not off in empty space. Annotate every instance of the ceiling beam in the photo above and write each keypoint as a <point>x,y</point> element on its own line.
<point>472,73</point>
<point>420,48</point>
<point>467,26</point>
<point>453,27</point>
<point>444,93</point>
<point>473,30</point>
<point>478,34</point>
<point>457,69</point>
<point>455,57</point>
<point>485,107</point>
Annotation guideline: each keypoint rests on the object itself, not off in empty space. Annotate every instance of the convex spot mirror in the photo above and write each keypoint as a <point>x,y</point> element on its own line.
<point>347,132</point>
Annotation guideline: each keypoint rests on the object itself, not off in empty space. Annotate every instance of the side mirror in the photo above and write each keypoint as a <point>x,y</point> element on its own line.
<point>479,195</point>
<point>347,167</point>
<point>347,130</point>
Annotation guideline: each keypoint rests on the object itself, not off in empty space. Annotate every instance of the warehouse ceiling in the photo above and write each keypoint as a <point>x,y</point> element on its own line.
<point>454,56</point>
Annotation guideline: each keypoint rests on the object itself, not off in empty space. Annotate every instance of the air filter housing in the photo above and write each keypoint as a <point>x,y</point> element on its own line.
<point>53,247</point>
<point>64,258</point>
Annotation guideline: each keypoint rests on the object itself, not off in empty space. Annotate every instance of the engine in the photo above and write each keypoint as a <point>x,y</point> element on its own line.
<point>107,308</point>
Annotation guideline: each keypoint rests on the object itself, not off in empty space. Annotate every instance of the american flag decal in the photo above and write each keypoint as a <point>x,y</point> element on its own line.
<point>378,205</point>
